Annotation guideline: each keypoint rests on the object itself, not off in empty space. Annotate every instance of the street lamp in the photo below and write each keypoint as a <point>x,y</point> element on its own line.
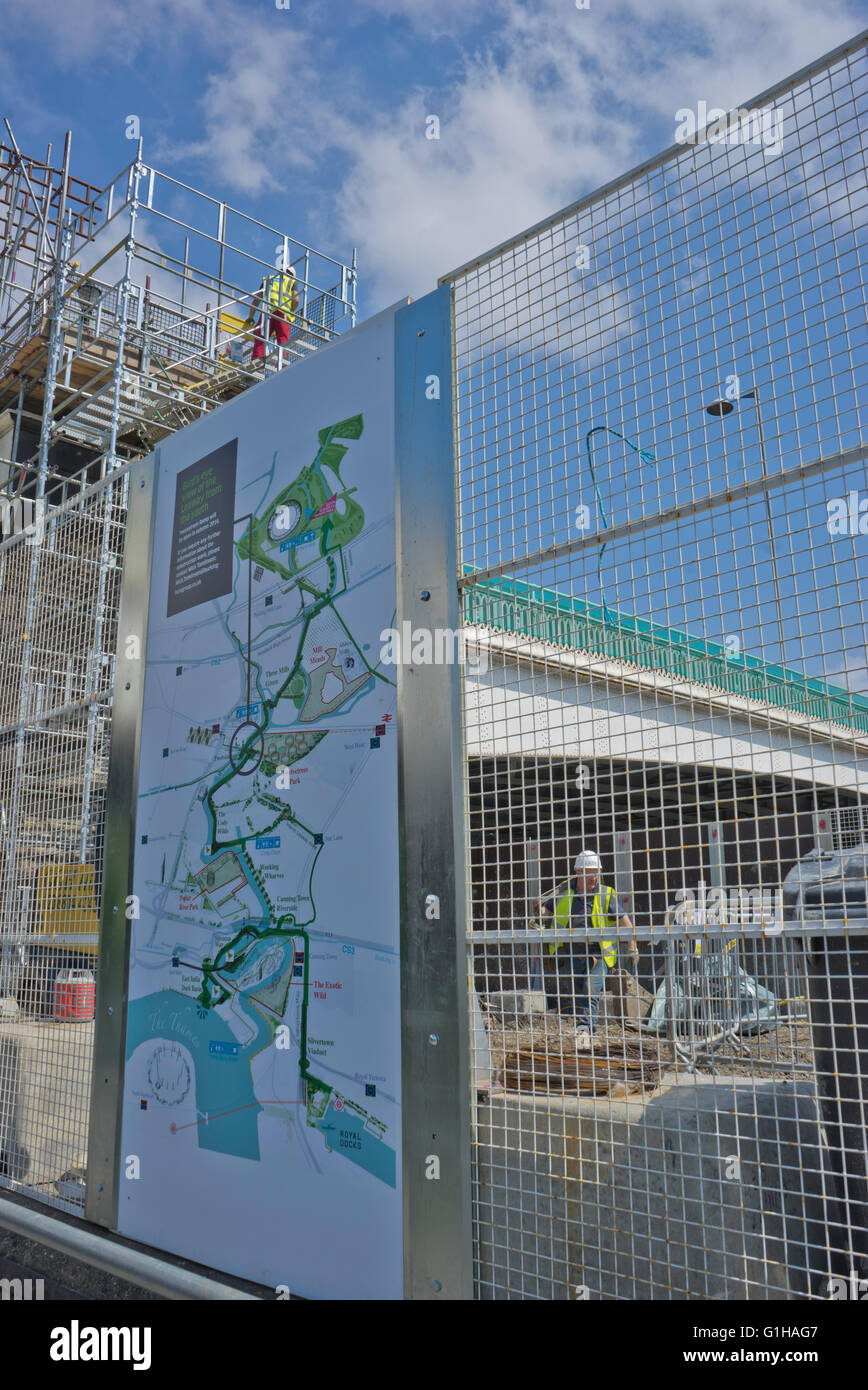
<point>720,408</point>
<point>646,456</point>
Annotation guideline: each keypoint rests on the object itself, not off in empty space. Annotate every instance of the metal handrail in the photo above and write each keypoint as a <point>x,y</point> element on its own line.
<point>112,1255</point>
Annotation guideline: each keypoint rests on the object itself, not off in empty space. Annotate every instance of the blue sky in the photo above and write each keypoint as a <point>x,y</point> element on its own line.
<point>313,118</point>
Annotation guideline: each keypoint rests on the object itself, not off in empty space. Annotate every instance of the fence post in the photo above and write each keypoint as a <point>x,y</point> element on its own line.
<point>624,873</point>
<point>435,1024</point>
<point>532,878</point>
<point>104,1138</point>
<point>823,834</point>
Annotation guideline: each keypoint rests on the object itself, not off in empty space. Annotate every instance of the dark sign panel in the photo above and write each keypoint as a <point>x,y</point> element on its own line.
<point>201,564</point>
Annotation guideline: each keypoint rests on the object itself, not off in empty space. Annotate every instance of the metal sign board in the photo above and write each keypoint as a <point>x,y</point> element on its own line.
<point>261,1109</point>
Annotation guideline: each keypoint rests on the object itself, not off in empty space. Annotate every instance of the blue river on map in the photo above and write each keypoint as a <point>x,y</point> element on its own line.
<point>346,1134</point>
<point>223,1082</point>
<point>224,1086</point>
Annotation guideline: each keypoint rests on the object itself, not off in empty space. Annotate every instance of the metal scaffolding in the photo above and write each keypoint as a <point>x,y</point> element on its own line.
<point>126,312</point>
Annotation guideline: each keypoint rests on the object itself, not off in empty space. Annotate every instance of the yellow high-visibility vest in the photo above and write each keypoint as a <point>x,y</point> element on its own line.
<point>600,921</point>
<point>280,288</point>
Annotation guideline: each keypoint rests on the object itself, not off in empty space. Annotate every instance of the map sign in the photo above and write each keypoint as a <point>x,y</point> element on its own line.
<point>261,1124</point>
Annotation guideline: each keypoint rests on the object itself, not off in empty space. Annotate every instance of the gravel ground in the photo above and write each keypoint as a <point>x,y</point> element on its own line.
<point>549,1052</point>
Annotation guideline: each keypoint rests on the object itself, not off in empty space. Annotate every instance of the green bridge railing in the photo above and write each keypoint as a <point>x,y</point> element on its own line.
<point>548,616</point>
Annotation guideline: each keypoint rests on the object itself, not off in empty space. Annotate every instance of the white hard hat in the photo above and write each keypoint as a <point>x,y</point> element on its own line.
<point>587,860</point>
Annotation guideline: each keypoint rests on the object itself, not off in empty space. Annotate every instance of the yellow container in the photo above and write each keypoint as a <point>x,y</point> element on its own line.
<point>67,915</point>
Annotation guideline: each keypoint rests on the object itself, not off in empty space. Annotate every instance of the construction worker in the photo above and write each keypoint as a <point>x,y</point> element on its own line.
<point>575,971</point>
<point>277,301</point>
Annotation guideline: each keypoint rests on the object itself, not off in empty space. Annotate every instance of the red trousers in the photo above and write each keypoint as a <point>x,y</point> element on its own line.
<point>278,328</point>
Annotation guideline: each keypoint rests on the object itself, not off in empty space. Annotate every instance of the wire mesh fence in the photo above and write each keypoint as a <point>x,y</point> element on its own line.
<point>663,517</point>
<point>663,523</point>
<point>59,583</point>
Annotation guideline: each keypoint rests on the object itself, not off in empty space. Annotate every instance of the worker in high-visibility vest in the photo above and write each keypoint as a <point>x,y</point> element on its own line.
<point>278,302</point>
<point>575,972</point>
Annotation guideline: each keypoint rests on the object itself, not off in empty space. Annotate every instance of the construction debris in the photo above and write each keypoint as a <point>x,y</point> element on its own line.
<point>548,1052</point>
<point>593,1072</point>
<point>624,1000</point>
<point>515,1006</point>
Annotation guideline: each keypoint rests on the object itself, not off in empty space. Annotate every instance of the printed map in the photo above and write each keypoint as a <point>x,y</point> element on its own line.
<point>265,895</point>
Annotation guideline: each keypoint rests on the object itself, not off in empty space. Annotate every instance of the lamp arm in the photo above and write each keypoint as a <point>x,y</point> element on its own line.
<point>646,457</point>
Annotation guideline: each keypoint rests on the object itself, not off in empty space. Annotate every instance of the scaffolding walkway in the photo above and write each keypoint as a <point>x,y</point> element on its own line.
<point>126,312</point>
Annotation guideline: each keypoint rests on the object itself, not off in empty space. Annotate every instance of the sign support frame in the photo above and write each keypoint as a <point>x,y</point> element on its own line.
<point>107,1091</point>
<point>435,1031</point>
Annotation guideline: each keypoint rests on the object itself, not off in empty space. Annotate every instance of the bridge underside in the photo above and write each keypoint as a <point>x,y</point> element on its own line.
<point>534,701</point>
<point>564,757</point>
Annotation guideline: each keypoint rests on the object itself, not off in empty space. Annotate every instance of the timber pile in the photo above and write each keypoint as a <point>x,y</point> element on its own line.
<point>537,1050</point>
<point>598,1068</point>
<point>548,1053</point>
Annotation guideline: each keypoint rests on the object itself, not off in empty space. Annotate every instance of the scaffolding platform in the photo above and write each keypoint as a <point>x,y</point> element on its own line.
<point>121,322</point>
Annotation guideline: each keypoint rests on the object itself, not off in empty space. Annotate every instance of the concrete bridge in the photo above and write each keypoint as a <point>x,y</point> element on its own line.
<point>612,731</point>
<point>565,680</point>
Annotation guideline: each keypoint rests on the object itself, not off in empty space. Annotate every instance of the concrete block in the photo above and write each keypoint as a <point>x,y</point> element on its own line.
<point>45,1079</point>
<point>513,1006</point>
<point>624,1000</point>
<point>707,1191</point>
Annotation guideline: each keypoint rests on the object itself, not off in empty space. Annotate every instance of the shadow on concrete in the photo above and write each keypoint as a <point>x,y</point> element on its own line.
<point>14,1158</point>
<point>706,1191</point>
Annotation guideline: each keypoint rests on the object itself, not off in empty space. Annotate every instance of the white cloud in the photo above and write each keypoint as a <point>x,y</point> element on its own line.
<point>545,103</point>
<point>559,102</point>
<point>238,106</point>
<point>437,16</point>
<point>94,29</point>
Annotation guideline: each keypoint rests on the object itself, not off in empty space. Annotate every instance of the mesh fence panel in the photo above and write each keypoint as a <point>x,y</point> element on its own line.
<point>59,588</point>
<point>663,517</point>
